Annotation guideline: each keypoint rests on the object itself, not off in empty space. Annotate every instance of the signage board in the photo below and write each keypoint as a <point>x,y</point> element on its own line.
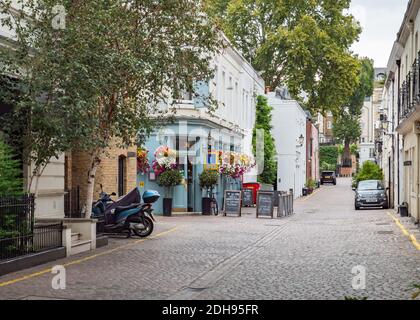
<point>232,205</point>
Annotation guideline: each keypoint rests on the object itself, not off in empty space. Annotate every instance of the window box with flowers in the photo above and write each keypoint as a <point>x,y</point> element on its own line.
<point>234,164</point>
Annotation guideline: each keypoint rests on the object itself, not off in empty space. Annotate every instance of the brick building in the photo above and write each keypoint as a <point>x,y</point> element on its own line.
<point>116,173</point>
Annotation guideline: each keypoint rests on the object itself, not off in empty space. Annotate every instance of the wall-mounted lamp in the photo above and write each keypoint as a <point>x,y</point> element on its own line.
<point>301,140</point>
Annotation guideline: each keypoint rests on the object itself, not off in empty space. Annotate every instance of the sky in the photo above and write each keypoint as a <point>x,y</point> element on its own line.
<point>381,21</point>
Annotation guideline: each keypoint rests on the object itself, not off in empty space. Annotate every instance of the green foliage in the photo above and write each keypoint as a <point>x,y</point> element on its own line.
<point>369,171</point>
<point>304,45</point>
<point>10,171</point>
<point>325,166</point>
<point>170,178</point>
<point>355,298</point>
<point>354,149</point>
<point>101,78</point>
<point>311,184</point>
<point>416,294</point>
<point>346,125</point>
<point>208,179</point>
<point>329,156</point>
<point>263,122</point>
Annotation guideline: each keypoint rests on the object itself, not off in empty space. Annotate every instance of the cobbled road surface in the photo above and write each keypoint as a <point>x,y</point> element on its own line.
<point>310,255</point>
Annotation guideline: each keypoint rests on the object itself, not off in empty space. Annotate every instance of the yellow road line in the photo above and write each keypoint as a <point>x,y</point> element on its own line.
<point>410,236</point>
<point>79,261</point>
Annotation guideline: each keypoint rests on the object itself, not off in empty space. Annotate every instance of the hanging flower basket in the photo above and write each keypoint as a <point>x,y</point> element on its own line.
<point>234,164</point>
<point>165,159</point>
<point>143,165</point>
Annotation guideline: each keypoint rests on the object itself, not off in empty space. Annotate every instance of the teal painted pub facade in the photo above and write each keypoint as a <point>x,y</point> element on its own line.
<point>197,142</point>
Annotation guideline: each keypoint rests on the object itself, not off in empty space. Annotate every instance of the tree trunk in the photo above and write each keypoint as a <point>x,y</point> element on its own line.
<point>95,161</point>
<point>346,155</point>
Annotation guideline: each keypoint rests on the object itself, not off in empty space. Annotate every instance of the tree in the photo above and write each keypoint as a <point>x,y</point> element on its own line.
<point>95,72</point>
<point>346,125</point>
<point>10,171</point>
<point>301,44</point>
<point>263,122</point>
<point>328,156</point>
<point>369,171</point>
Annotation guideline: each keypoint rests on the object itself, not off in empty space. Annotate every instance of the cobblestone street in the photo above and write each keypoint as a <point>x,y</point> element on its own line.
<point>309,255</point>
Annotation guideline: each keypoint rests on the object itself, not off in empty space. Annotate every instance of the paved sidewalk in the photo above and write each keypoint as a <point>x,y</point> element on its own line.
<point>309,255</point>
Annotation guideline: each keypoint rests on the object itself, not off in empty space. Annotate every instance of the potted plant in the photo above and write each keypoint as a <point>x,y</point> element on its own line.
<point>310,185</point>
<point>208,179</point>
<point>168,180</point>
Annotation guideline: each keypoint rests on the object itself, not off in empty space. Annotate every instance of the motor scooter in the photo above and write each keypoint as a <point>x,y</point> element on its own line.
<point>126,215</point>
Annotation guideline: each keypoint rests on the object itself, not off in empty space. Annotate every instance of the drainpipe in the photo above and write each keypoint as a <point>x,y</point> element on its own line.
<point>398,135</point>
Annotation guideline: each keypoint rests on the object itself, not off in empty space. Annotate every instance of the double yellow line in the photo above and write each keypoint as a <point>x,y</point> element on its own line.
<point>79,261</point>
<point>410,236</point>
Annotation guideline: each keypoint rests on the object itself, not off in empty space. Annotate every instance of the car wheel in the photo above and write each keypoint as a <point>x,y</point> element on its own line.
<point>356,208</point>
<point>386,207</point>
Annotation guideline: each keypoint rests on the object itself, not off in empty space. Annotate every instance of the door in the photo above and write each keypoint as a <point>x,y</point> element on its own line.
<point>190,187</point>
<point>122,165</point>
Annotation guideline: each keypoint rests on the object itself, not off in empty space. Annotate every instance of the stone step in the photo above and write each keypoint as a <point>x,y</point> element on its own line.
<point>75,236</point>
<point>80,246</point>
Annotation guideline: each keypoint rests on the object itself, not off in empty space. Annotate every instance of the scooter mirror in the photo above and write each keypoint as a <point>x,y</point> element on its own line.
<point>113,194</point>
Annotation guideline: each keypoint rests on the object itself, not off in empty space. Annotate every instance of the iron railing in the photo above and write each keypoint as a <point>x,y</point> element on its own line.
<point>19,235</point>
<point>410,91</point>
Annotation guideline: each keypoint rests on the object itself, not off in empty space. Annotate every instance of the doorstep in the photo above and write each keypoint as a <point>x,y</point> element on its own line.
<point>185,214</point>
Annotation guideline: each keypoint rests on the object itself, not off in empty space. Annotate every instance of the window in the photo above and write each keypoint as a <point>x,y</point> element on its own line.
<point>184,92</point>
<point>223,90</point>
<point>329,125</point>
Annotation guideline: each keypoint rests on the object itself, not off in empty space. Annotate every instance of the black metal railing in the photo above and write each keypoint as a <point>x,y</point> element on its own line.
<point>410,91</point>
<point>19,235</point>
<point>72,207</point>
<point>48,236</point>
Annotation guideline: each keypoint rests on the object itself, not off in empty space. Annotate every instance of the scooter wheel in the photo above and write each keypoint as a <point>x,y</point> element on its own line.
<point>148,223</point>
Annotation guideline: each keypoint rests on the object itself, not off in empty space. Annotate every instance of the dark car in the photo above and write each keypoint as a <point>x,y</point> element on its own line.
<point>328,177</point>
<point>370,194</point>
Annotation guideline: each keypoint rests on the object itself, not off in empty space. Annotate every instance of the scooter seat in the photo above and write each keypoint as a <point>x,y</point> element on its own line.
<point>121,209</point>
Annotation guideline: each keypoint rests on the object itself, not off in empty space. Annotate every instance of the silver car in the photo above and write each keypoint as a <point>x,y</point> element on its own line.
<point>370,194</point>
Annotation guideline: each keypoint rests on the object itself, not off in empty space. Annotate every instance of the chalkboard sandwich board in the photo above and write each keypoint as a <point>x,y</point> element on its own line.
<point>232,205</point>
<point>247,197</point>
<point>265,204</point>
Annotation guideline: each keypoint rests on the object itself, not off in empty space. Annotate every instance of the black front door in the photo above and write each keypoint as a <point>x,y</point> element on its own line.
<point>121,175</point>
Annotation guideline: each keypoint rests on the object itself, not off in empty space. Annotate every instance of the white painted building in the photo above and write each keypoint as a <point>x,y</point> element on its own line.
<point>289,125</point>
<point>196,133</point>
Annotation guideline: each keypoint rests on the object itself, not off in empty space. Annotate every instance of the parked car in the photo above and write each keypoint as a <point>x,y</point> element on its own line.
<point>370,194</point>
<point>328,177</point>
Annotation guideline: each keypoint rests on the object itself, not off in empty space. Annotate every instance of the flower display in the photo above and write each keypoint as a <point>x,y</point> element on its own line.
<point>143,165</point>
<point>165,159</point>
<point>235,164</point>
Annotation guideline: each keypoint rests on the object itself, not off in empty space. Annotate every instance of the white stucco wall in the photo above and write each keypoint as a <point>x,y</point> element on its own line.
<point>289,123</point>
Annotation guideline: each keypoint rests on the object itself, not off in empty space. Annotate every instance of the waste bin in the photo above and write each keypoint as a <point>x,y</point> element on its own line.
<point>403,209</point>
<point>305,192</point>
